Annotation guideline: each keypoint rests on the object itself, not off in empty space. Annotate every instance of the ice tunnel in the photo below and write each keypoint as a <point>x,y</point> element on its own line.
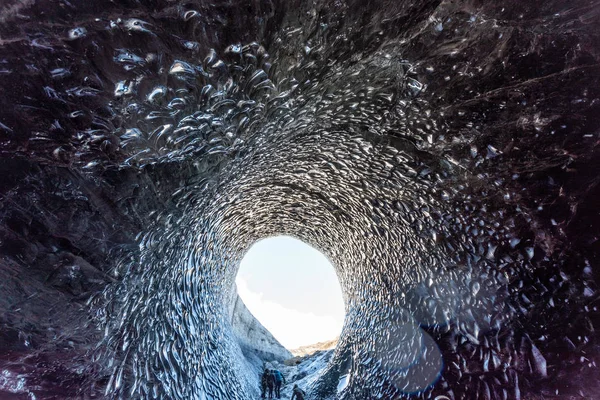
<point>444,155</point>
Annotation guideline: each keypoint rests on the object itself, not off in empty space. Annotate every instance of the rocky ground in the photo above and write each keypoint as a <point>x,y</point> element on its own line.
<point>313,348</point>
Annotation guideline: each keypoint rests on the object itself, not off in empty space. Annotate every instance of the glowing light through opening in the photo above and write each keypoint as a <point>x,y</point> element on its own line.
<point>292,289</point>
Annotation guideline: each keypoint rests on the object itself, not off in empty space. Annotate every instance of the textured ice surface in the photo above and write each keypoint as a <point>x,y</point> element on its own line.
<point>443,155</point>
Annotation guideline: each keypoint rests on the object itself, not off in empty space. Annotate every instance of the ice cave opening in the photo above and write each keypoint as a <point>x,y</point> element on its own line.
<point>293,290</point>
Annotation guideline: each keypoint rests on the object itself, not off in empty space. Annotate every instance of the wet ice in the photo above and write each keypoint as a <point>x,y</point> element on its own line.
<point>442,155</point>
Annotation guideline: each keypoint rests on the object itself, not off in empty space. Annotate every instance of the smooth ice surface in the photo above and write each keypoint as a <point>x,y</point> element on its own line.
<point>292,289</point>
<point>442,154</point>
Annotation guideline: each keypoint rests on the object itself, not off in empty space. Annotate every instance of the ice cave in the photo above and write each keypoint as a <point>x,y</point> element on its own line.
<point>443,154</point>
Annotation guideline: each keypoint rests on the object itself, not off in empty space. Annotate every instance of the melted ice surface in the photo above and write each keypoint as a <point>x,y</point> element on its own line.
<point>443,156</point>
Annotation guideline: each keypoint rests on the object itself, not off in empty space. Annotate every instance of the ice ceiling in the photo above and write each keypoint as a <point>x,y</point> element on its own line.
<point>442,154</point>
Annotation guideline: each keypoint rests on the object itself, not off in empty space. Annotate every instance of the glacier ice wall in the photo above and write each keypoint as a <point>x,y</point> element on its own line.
<point>256,342</point>
<point>443,155</point>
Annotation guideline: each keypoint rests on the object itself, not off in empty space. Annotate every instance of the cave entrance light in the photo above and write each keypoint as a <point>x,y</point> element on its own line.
<point>293,290</point>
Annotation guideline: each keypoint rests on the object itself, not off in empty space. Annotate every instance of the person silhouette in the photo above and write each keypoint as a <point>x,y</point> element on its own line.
<point>270,383</point>
<point>279,380</point>
<point>263,383</point>
<point>298,394</point>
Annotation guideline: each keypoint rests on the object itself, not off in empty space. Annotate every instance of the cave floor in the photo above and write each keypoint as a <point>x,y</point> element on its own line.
<point>302,374</point>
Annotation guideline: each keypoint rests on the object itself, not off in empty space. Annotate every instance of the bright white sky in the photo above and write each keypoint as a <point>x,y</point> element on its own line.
<point>292,289</point>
